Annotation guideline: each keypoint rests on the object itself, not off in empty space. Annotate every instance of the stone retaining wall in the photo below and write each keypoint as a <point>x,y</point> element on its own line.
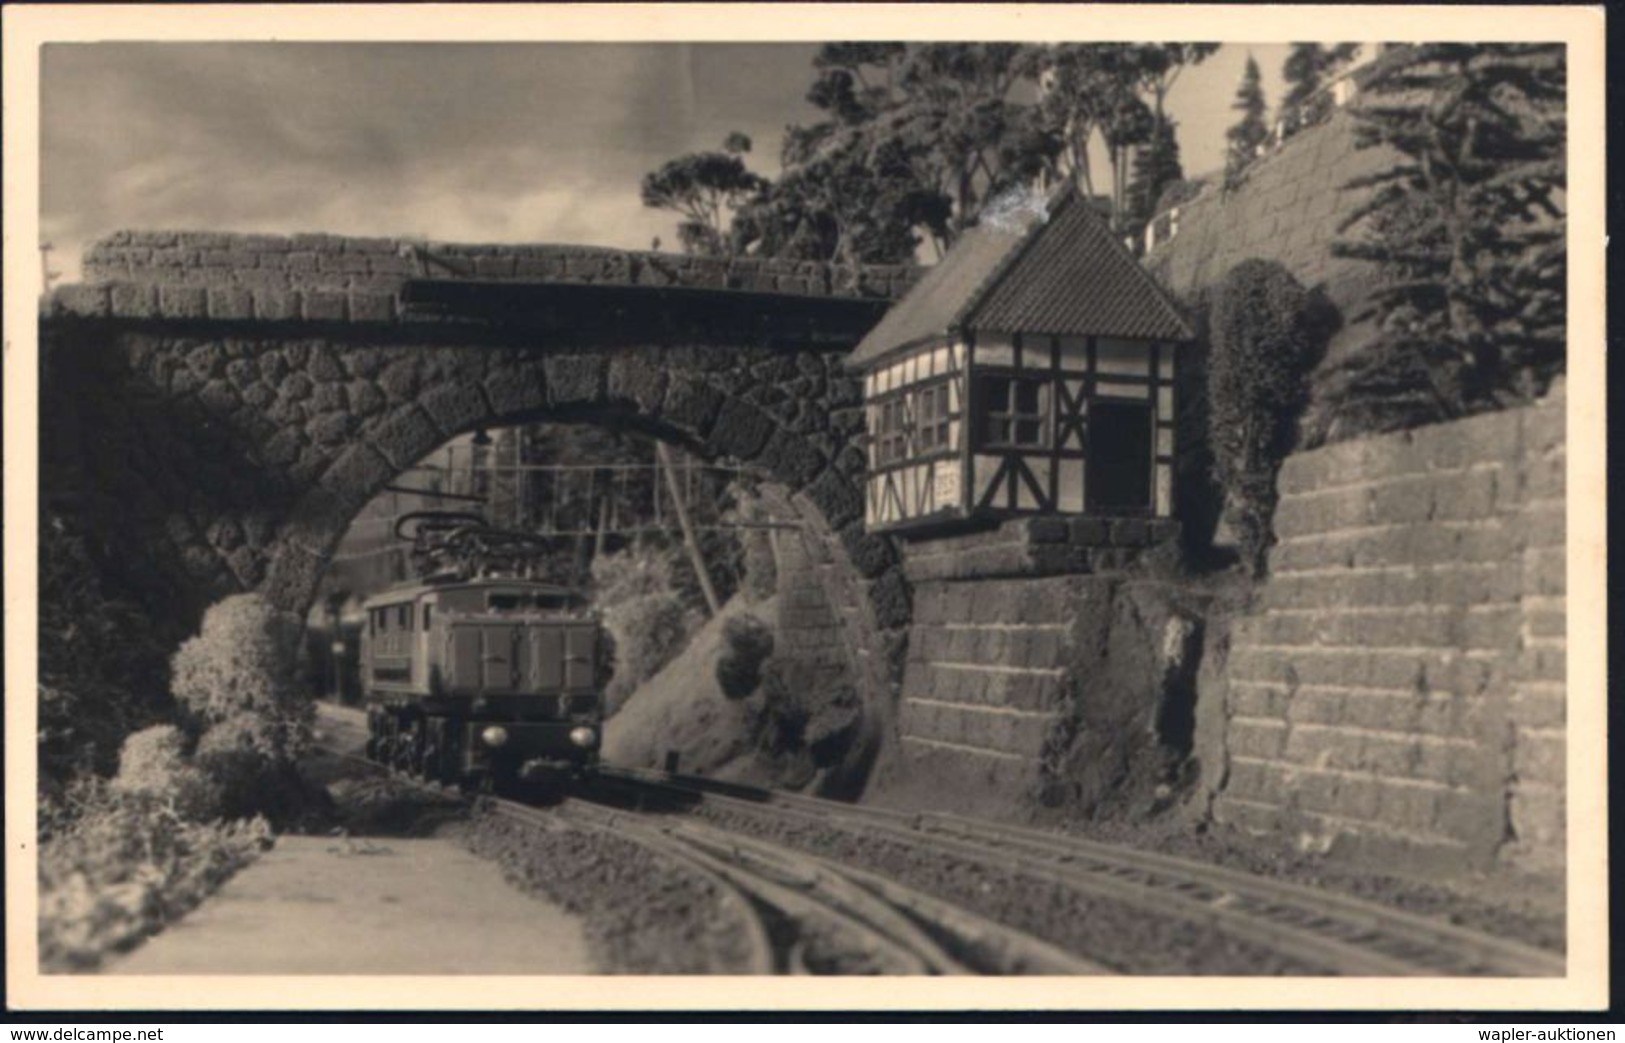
<point>1400,683</point>
<point>1037,546</point>
<point>1036,659</point>
<point>1286,209</point>
<point>984,684</point>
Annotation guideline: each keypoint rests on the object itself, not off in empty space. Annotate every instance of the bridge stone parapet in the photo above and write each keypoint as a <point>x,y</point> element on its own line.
<point>187,275</point>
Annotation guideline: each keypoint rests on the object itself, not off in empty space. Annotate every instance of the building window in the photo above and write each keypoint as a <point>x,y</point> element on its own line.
<point>931,418</point>
<point>892,435</point>
<point>1012,411</point>
<point>403,616</point>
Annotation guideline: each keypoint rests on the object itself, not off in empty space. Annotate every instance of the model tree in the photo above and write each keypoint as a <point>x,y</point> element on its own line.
<point>1159,67</point>
<point>1466,229</point>
<point>1307,66</point>
<point>1249,133</point>
<point>1156,166</point>
<point>705,188</point>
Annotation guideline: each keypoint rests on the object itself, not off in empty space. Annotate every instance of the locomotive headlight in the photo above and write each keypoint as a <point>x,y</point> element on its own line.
<point>585,738</point>
<point>494,736</point>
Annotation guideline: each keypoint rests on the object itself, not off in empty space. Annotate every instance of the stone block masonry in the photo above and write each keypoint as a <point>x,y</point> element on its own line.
<point>1034,659</point>
<point>984,685</point>
<point>1038,546</point>
<point>1287,209</point>
<point>1400,682</point>
<point>326,277</point>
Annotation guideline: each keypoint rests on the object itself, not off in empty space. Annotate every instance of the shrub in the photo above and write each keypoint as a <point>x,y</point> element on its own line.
<point>243,667</point>
<point>1198,496</point>
<point>807,711</point>
<point>649,623</point>
<point>153,764</point>
<point>782,726</point>
<point>747,642</point>
<point>101,667</point>
<point>649,631</point>
<point>1267,334</point>
<point>639,570</point>
<point>124,864</point>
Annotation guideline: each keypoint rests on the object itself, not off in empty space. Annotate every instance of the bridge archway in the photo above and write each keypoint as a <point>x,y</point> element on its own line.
<point>215,456</point>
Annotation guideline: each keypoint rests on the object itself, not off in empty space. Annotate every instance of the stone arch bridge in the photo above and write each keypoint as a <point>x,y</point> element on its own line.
<point>215,409</point>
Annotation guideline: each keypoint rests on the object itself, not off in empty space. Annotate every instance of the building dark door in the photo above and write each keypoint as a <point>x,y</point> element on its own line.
<point>1119,477</point>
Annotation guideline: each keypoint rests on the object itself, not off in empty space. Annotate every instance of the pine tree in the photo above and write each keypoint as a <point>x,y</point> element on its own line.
<point>1156,166</point>
<point>1249,132</point>
<point>1466,230</point>
<point>1306,67</point>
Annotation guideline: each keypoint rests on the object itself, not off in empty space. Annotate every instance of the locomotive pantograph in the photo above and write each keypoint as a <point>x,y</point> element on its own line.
<point>478,673</point>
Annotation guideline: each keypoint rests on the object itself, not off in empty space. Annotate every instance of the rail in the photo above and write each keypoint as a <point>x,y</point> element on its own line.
<point>1338,933</point>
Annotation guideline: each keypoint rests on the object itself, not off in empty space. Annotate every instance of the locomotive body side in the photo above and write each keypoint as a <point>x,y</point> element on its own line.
<point>483,679</point>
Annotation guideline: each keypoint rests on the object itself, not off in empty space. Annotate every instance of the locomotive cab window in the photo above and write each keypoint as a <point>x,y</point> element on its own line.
<point>427,609</point>
<point>512,602</point>
<point>403,616</point>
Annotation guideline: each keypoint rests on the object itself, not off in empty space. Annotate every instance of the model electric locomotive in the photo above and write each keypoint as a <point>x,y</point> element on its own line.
<point>479,673</point>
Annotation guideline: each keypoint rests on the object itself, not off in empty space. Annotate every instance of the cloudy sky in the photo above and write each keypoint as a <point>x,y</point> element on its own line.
<point>454,142</point>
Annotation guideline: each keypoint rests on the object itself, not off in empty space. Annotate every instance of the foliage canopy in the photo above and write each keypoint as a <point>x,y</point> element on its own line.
<point>1466,232</point>
<point>916,139</point>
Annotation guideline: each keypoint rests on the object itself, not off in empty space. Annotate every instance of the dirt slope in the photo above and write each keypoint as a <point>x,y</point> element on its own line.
<point>682,708</point>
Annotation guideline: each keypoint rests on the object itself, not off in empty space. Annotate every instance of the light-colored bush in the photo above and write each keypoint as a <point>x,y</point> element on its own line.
<point>648,620</point>
<point>244,663</point>
<point>150,758</point>
<point>636,572</point>
<point>153,764</point>
<point>649,632</point>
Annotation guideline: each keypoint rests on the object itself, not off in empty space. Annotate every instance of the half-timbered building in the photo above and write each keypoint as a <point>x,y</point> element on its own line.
<point>1031,371</point>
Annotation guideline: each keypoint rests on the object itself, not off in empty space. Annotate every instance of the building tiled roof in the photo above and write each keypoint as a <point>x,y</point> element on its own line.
<point>1064,275</point>
<point>936,303</point>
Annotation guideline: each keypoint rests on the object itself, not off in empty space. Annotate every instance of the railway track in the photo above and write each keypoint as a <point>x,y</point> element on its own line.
<point>799,913</point>
<point>805,915</point>
<point>1335,933</point>
<point>814,915</point>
